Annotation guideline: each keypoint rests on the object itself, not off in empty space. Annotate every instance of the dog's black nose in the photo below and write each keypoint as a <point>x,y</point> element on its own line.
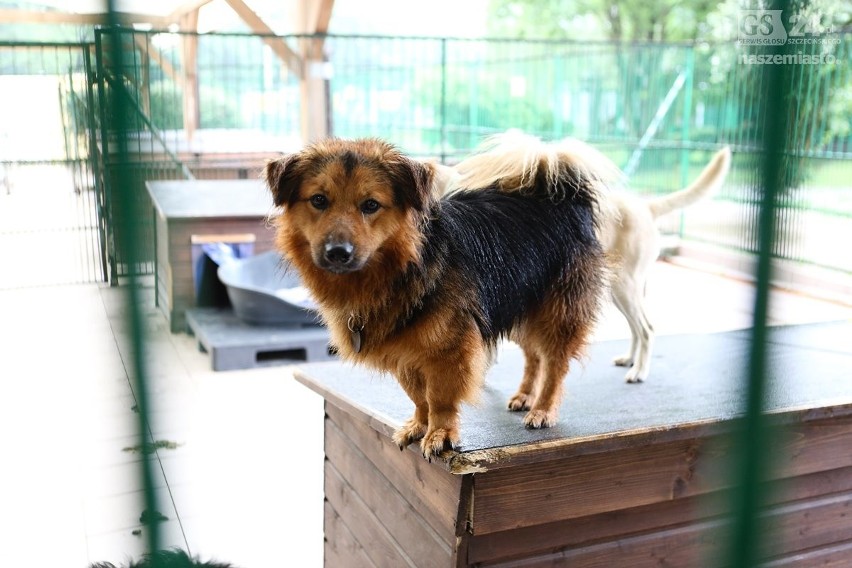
<point>339,253</point>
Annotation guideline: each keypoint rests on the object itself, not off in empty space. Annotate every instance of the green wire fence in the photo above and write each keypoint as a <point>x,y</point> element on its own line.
<point>659,110</point>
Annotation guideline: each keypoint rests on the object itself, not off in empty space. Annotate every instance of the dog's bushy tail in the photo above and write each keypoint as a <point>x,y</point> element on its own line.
<point>518,162</point>
<point>706,184</point>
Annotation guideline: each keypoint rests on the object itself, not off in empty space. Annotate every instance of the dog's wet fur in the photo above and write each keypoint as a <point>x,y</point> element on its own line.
<point>424,286</point>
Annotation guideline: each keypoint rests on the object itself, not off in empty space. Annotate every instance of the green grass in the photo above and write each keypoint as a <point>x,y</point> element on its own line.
<point>830,173</point>
<point>827,185</point>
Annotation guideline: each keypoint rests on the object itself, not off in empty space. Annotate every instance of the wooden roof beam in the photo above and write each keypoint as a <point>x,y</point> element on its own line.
<point>318,15</point>
<point>187,7</point>
<point>17,16</point>
<point>313,18</point>
<point>290,58</point>
<point>323,16</point>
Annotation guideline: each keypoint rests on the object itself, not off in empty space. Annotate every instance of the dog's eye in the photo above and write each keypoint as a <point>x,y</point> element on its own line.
<point>319,201</point>
<point>370,206</point>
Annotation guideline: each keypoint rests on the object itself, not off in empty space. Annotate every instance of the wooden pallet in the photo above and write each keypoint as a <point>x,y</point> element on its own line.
<point>234,344</point>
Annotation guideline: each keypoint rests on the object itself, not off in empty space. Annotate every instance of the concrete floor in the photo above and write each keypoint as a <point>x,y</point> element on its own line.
<point>243,483</point>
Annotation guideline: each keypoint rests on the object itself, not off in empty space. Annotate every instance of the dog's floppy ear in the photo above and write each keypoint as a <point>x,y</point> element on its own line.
<point>283,176</point>
<point>412,183</point>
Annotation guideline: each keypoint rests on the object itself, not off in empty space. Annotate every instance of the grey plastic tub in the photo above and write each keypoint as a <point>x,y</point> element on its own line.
<point>264,290</point>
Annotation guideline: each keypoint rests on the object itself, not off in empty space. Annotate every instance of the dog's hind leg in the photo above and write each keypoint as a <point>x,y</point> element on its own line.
<point>628,296</point>
<point>557,352</point>
<point>619,298</point>
<point>545,410</point>
<point>549,343</point>
<point>636,247</point>
<point>523,399</point>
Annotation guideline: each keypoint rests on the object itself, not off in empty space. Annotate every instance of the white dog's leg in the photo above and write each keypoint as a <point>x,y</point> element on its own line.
<point>625,360</point>
<point>628,296</point>
<point>642,358</point>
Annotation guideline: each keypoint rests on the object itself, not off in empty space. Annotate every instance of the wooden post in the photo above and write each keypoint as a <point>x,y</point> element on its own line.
<point>314,16</point>
<point>315,104</point>
<point>191,112</point>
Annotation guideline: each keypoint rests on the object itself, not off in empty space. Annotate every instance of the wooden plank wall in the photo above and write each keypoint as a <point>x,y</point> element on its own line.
<point>164,268</point>
<point>664,505</point>
<point>385,507</point>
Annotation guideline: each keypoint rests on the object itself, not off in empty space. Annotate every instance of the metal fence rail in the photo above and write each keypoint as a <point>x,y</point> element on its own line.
<point>218,105</point>
<point>438,97</point>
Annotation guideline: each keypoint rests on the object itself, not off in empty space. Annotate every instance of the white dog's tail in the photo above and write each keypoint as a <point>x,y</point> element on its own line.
<point>705,185</point>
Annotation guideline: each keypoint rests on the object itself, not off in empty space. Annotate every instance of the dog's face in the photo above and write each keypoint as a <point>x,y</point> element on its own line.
<point>347,204</point>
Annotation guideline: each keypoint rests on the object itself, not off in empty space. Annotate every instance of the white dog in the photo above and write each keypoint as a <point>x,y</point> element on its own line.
<point>633,240</point>
<point>628,233</point>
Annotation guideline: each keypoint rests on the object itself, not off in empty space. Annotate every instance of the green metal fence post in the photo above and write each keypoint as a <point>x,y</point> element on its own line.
<point>94,157</point>
<point>128,206</point>
<point>750,468</point>
<point>684,129</point>
<point>103,105</point>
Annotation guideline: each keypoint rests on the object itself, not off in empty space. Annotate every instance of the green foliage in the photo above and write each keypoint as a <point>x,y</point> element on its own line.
<point>618,20</point>
<point>218,109</point>
<point>166,105</point>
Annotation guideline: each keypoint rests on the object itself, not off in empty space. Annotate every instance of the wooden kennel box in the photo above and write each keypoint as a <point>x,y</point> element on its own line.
<point>633,475</point>
<point>187,213</point>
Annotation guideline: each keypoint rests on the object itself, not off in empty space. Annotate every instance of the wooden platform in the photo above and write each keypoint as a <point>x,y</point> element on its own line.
<point>183,209</point>
<point>634,475</point>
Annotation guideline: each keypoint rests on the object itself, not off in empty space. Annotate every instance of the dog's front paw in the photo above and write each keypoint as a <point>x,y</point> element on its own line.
<point>438,440</point>
<point>521,401</point>
<point>623,361</point>
<point>409,432</point>
<point>633,376</point>
<point>541,418</point>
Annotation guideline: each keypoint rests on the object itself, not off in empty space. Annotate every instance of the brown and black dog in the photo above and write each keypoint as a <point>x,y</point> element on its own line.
<point>424,286</point>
